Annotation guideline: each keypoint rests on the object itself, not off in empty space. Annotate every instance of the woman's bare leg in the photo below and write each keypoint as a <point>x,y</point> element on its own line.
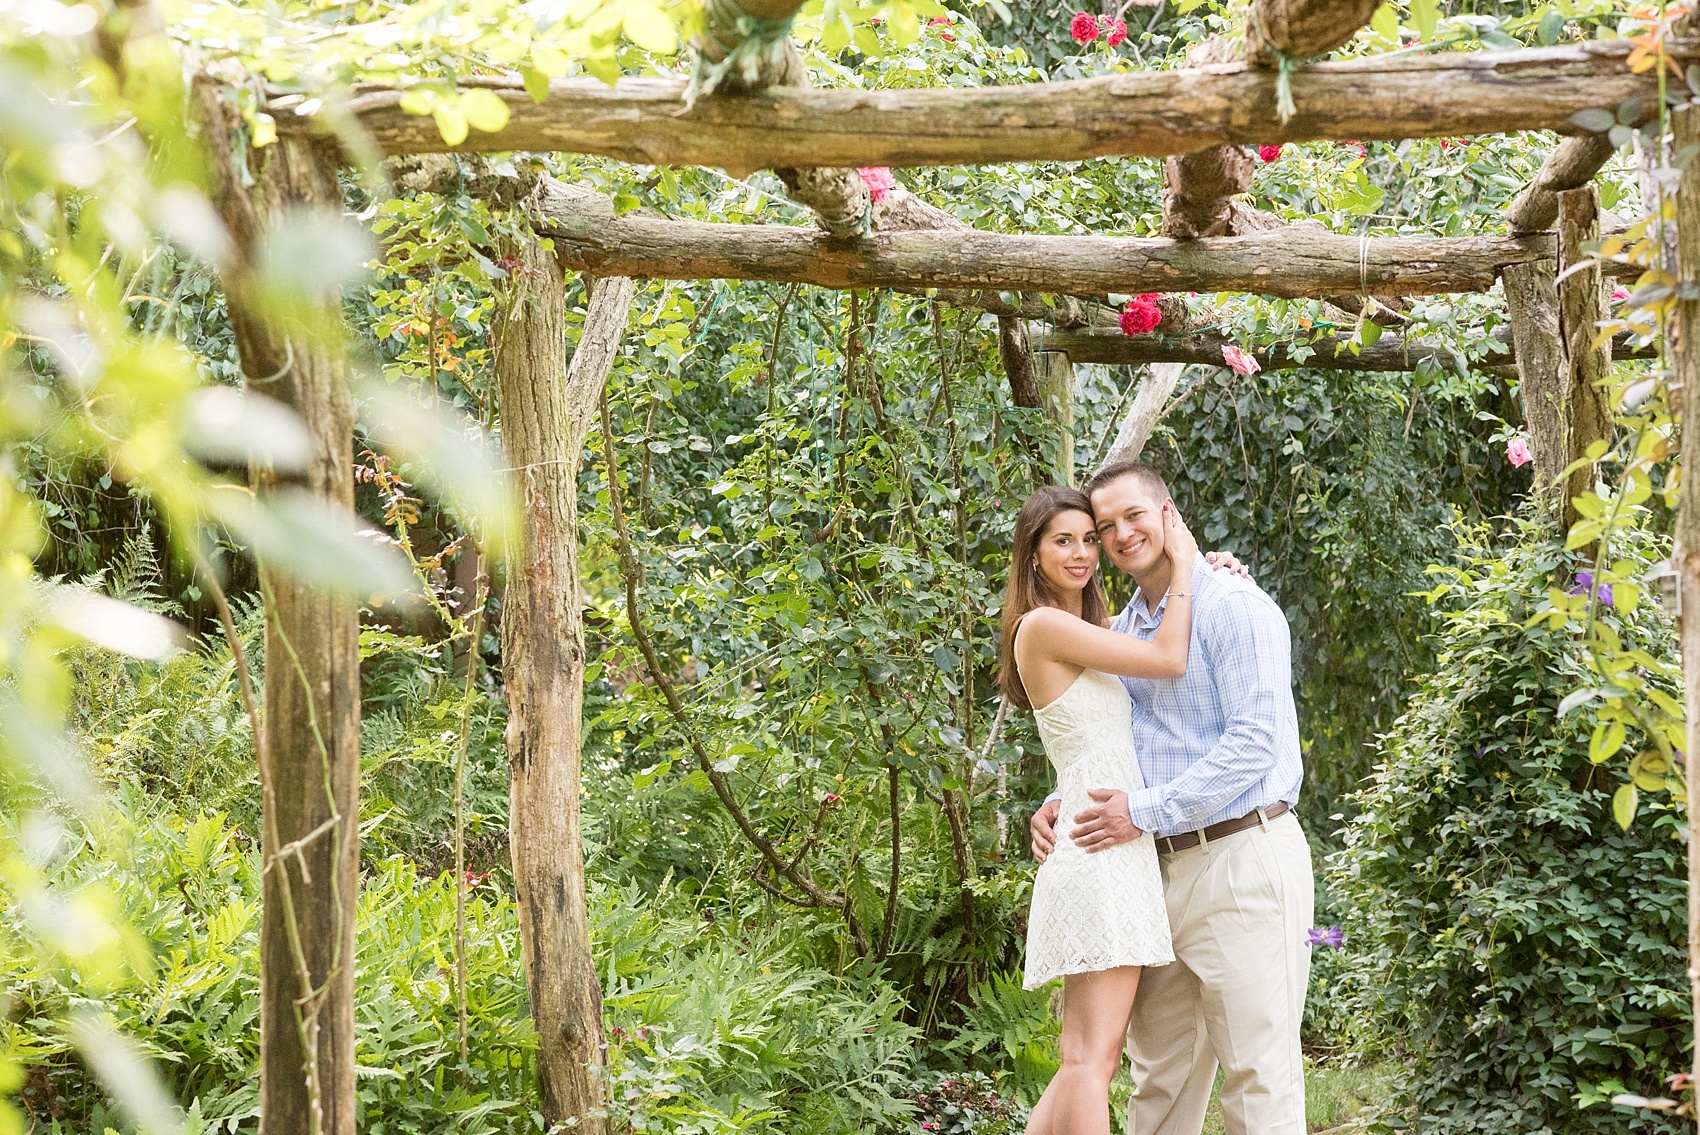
<point>1096,1007</point>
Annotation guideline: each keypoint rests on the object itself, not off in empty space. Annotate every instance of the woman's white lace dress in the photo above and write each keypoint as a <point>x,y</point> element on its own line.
<point>1094,912</point>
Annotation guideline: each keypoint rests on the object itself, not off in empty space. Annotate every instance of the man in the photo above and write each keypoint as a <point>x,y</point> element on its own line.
<point>1219,750</point>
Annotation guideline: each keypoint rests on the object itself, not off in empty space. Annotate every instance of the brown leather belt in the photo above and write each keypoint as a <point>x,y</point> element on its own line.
<point>1217,831</point>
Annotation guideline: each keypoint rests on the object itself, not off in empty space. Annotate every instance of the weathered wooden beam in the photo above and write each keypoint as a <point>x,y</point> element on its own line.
<point>1293,263</point>
<point>1199,188</point>
<point>1571,165</point>
<point>1389,353</point>
<point>1147,113</point>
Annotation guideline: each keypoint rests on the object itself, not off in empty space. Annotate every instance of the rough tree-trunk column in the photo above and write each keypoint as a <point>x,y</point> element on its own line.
<point>1056,387</point>
<point>1685,334</point>
<point>1531,298</point>
<point>546,408</point>
<point>1582,305</point>
<point>312,673</point>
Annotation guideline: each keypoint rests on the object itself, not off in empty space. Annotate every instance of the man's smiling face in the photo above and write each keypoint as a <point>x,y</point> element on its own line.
<point>1130,524</point>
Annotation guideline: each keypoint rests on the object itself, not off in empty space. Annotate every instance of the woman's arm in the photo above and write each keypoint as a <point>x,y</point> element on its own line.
<point>1056,636</point>
<point>1050,635</point>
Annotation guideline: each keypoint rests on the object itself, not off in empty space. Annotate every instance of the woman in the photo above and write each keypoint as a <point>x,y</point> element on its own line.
<point>1096,918</point>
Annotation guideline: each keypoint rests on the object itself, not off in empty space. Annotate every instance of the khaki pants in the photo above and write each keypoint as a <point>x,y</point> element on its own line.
<point>1239,908</point>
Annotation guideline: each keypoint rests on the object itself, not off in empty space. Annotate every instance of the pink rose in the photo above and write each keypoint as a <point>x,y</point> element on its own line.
<point>1140,316</point>
<point>1117,32</point>
<point>1619,294</point>
<point>1517,452</point>
<point>1240,362</point>
<point>1084,27</point>
<point>1269,153</point>
<point>879,181</point>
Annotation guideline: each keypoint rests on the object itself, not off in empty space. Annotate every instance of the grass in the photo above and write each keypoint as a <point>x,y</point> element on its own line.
<point>1333,1096</point>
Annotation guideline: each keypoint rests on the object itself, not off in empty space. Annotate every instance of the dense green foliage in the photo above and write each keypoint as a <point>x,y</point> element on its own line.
<point>1522,951</point>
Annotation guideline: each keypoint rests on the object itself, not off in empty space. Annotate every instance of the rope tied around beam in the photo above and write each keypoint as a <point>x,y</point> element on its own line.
<point>753,46</point>
<point>1284,65</point>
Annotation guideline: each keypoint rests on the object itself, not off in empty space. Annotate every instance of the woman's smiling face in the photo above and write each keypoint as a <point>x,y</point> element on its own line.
<point>1068,551</point>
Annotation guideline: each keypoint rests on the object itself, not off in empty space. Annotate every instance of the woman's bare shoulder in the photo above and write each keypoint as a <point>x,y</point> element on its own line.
<point>1049,618</point>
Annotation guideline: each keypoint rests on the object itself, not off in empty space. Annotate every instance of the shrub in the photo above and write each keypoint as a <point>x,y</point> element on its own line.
<point>1522,951</point>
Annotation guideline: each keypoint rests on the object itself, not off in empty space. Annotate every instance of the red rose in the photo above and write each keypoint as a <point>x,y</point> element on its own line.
<point>1117,32</point>
<point>1140,316</point>
<point>1084,27</point>
<point>1269,153</point>
<point>944,23</point>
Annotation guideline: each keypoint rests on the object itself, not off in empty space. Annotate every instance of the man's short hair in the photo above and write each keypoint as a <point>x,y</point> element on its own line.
<point>1148,477</point>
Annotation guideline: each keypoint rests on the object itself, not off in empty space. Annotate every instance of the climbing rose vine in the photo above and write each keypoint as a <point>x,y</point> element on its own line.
<point>1240,362</point>
<point>1140,316</point>
<point>879,181</point>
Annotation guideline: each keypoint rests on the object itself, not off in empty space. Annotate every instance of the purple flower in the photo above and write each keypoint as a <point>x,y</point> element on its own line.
<point>1333,936</point>
<point>1585,583</point>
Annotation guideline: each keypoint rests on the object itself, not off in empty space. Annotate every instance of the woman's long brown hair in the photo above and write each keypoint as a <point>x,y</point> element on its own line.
<point>1027,589</point>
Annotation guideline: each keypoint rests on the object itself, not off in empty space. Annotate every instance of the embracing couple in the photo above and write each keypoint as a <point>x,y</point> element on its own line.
<point>1172,865</point>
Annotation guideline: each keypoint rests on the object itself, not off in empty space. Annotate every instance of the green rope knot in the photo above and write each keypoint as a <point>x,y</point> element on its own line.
<point>752,45</point>
<point>1284,64</point>
<point>1284,67</point>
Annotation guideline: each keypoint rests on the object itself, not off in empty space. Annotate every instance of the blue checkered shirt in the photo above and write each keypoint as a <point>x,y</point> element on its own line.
<point>1223,738</point>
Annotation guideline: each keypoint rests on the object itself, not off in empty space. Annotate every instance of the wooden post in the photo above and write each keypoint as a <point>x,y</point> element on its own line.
<point>1685,337</point>
<point>546,408</point>
<point>1582,306</point>
<point>1056,391</point>
<point>310,746</point>
<point>1531,298</point>
<point>1147,410</point>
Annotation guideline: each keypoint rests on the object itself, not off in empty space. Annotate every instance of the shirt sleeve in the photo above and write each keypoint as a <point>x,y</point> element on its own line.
<point>1249,649</point>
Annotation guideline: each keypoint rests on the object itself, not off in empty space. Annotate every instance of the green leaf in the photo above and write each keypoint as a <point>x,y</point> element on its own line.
<point>1593,120</point>
<point>451,124</point>
<point>1385,23</point>
<point>1624,804</point>
<point>1606,741</point>
<point>1576,698</point>
<point>1370,332</point>
<point>1425,14</point>
<point>484,110</point>
<point>649,28</point>
<point>536,83</point>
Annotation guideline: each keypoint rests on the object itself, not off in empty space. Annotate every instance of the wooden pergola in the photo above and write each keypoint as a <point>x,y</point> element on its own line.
<point>1047,292</point>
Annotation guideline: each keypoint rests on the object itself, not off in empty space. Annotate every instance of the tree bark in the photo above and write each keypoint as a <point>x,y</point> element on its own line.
<point>1017,358</point>
<point>1147,410</point>
<point>547,405</point>
<point>1392,352</point>
<point>1056,389</point>
<point>1302,28</point>
<point>1198,191</point>
<point>1297,262</point>
<point>1571,165</point>
<point>311,724</point>
<point>1531,299</point>
<point>1582,306</point>
<point>1145,114</point>
<point>1685,336</point>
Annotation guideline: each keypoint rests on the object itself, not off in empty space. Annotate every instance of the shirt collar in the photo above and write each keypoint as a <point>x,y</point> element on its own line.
<point>1137,605</point>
